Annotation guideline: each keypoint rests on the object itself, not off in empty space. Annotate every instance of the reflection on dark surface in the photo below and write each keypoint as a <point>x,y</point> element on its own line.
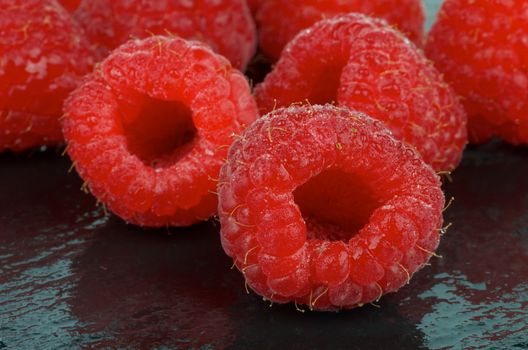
<point>43,224</point>
<point>144,289</point>
<point>478,294</point>
<point>72,277</point>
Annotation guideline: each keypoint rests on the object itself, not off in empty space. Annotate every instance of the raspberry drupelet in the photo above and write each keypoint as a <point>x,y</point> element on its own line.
<point>70,5</point>
<point>280,21</point>
<point>43,55</point>
<point>226,25</point>
<point>254,5</point>
<point>149,130</point>
<point>482,49</point>
<point>321,206</point>
<point>365,65</point>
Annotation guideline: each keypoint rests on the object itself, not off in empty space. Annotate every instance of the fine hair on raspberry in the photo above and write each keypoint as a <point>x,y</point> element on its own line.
<point>321,206</point>
<point>149,130</point>
<point>482,49</point>
<point>280,21</point>
<point>363,64</point>
<point>43,56</point>
<point>225,25</point>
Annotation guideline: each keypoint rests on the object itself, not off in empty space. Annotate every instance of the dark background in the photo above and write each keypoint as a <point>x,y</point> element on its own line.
<point>71,276</point>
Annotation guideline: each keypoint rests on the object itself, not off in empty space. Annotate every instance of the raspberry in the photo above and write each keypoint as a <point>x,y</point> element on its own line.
<point>254,5</point>
<point>279,21</point>
<point>322,206</point>
<point>70,5</point>
<point>482,48</point>
<point>367,66</point>
<point>148,131</point>
<point>226,25</point>
<point>42,56</point>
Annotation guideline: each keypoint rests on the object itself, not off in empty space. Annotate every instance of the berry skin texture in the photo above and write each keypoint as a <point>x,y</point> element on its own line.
<point>482,49</point>
<point>365,65</point>
<point>321,206</point>
<point>149,130</point>
<point>70,5</point>
<point>43,55</point>
<point>226,25</point>
<point>254,5</point>
<point>280,21</point>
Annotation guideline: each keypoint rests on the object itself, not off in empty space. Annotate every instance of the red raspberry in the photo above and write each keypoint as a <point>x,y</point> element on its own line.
<point>226,25</point>
<point>149,130</point>
<point>364,65</point>
<point>279,21</point>
<point>482,48</point>
<point>254,5</point>
<point>70,5</point>
<point>322,206</point>
<point>43,54</point>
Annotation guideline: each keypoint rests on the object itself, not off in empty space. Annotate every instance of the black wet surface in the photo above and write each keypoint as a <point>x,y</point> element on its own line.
<point>71,276</point>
